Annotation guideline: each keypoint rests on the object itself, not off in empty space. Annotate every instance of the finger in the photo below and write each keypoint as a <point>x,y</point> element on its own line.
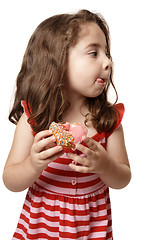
<point>44,144</point>
<point>43,134</point>
<point>81,169</point>
<point>81,160</point>
<point>50,152</point>
<point>92,144</point>
<point>87,151</point>
<point>54,157</point>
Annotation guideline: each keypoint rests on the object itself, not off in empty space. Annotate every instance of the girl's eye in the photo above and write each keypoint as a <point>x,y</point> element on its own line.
<point>107,54</point>
<point>93,53</point>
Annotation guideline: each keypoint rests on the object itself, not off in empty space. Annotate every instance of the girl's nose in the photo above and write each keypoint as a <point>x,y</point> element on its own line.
<point>107,63</point>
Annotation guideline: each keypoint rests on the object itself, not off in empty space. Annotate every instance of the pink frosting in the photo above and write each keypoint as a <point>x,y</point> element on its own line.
<point>78,131</point>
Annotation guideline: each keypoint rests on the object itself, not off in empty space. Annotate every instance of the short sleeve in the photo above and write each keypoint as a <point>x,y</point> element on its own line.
<point>120,112</point>
<point>120,108</point>
<point>25,108</point>
<point>28,113</point>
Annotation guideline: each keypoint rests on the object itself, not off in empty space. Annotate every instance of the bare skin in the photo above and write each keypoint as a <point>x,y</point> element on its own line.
<point>30,155</point>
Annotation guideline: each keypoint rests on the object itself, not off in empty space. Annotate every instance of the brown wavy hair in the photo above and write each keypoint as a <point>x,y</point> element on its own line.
<point>41,81</point>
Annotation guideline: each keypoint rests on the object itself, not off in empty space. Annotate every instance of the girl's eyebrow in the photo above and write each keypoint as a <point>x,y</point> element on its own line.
<point>97,45</point>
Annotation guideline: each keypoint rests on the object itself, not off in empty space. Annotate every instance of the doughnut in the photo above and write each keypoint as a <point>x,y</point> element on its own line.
<point>68,135</point>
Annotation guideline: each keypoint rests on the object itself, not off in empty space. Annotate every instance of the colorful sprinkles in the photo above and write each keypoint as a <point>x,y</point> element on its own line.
<point>63,137</point>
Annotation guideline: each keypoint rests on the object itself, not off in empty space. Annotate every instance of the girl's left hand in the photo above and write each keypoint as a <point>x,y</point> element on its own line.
<point>95,159</point>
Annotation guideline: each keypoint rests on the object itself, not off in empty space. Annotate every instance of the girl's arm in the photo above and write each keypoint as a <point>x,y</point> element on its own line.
<point>117,173</point>
<point>111,165</point>
<point>28,156</point>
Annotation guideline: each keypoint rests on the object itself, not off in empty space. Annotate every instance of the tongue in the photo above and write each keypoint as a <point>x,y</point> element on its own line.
<point>100,80</point>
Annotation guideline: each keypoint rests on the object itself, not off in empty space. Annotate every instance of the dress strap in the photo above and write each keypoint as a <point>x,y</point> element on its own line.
<point>28,112</point>
<point>25,108</point>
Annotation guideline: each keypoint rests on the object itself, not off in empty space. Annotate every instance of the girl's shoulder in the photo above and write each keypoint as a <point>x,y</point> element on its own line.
<point>22,141</point>
<point>23,128</point>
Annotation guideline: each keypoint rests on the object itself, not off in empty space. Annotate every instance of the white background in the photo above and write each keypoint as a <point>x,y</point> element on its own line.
<point>135,38</point>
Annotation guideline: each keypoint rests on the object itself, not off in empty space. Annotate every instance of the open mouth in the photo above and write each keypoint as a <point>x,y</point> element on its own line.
<point>100,81</point>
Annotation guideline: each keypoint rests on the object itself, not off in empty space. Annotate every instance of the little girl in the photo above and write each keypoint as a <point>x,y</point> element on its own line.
<point>65,76</point>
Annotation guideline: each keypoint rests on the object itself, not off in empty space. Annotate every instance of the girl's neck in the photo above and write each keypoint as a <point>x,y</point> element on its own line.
<point>76,111</point>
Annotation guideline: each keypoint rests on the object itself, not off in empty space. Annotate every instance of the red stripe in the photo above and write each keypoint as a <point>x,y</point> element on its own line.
<point>64,199</point>
<point>26,208</point>
<point>88,184</point>
<point>99,238</point>
<point>18,236</point>
<point>42,236</point>
<point>24,218</point>
<point>81,223</point>
<point>78,212</point>
<point>40,200</point>
<point>60,184</point>
<point>81,233</point>
<point>62,160</point>
<point>109,223</point>
<point>68,198</point>
<point>60,172</point>
<point>20,226</point>
<point>43,215</point>
<point>37,205</point>
<point>51,229</point>
<point>45,206</point>
<point>109,235</point>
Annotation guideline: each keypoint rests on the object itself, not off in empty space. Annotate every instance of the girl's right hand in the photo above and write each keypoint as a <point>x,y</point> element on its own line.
<point>44,151</point>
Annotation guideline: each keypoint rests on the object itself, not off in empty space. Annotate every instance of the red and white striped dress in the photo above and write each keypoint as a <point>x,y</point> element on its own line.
<point>64,204</point>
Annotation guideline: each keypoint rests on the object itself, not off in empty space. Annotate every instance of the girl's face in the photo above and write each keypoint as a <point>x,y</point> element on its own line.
<point>89,67</point>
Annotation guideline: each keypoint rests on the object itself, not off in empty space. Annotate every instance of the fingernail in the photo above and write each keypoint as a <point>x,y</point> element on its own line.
<point>76,145</point>
<point>83,138</point>
<point>60,147</point>
<point>69,154</point>
<point>53,138</point>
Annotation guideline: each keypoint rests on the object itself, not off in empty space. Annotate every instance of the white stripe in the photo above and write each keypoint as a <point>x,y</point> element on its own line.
<point>70,191</point>
<point>59,190</point>
<point>43,230</point>
<point>103,140</point>
<point>43,220</point>
<point>58,178</point>
<point>87,179</point>
<point>21,221</point>
<point>68,205</point>
<point>64,179</point>
<point>65,229</point>
<point>25,213</point>
<point>80,228</point>
<point>97,235</point>
<point>20,231</point>
<point>67,216</point>
<point>62,228</point>
<point>87,190</point>
<point>60,166</point>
